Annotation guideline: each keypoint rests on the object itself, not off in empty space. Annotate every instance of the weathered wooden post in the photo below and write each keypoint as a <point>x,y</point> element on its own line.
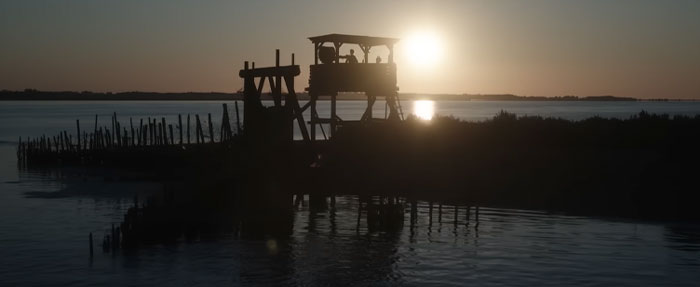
<point>198,128</point>
<point>77,123</point>
<point>179,126</point>
<point>90,238</point>
<point>238,119</point>
<point>211,129</point>
<point>188,129</point>
<point>172,139</point>
<point>150,132</point>
<point>133,136</point>
<point>165,131</point>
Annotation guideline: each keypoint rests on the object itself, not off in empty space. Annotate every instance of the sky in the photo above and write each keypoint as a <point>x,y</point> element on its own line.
<point>632,48</point>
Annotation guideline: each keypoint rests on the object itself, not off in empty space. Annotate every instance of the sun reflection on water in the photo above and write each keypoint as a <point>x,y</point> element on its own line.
<point>424,109</point>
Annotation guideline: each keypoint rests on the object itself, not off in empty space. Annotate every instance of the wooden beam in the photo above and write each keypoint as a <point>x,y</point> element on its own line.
<point>292,97</point>
<point>282,71</point>
<point>306,106</point>
<point>261,84</point>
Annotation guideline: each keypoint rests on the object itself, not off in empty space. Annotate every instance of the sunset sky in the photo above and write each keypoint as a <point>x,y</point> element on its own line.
<point>634,48</point>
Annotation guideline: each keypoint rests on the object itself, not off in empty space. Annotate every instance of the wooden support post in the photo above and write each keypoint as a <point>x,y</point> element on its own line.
<point>142,134</point>
<point>77,123</point>
<point>333,115</point>
<point>440,213</point>
<point>160,134</point>
<point>211,129</point>
<point>172,139</point>
<point>188,129</point>
<point>294,103</point>
<point>151,132</point>
<point>198,128</point>
<point>179,126</point>
<point>313,113</point>
<point>238,119</point>
<point>223,130</point>
<point>261,84</point>
<point>316,45</point>
<point>277,93</point>
<point>114,125</point>
<point>133,136</point>
<point>90,238</point>
<point>165,131</point>
<point>118,132</point>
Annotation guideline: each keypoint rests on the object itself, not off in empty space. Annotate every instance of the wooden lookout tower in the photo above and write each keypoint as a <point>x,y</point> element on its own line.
<point>330,76</point>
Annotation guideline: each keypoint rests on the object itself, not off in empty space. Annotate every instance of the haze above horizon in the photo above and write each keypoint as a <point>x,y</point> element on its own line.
<point>641,49</point>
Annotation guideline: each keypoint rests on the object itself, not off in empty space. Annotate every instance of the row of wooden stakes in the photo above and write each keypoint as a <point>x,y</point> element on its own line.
<point>151,133</point>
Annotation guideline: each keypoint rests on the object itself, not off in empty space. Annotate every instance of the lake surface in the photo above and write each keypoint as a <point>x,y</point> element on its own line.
<point>43,240</point>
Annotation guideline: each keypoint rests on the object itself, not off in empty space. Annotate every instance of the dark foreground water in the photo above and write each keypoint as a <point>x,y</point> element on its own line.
<point>44,226</point>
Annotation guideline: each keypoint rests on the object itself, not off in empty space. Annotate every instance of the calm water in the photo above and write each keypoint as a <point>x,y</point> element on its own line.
<point>43,241</point>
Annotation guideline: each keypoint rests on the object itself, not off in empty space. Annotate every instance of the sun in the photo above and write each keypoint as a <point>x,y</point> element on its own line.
<point>423,48</point>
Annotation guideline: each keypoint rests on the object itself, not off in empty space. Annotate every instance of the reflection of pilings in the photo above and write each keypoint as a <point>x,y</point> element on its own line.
<point>456,214</point>
<point>440,213</point>
<point>299,200</point>
<point>467,216</point>
<point>414,212</point>
<point>359,212</point>
<point>476,215</point>
<point>430,212</point>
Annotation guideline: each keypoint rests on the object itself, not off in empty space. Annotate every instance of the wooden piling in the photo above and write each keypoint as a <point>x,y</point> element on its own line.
<point>188,129</point>
<point>114,125</point>
<point>90,238</point>
<point>133,136</point>
<point>150,132</point>
<point>172,140</point>
<point>238,119</point>
<point>77,123</point>
<point>179,126</point>
<point>211,129</point>
<point>164,126</point>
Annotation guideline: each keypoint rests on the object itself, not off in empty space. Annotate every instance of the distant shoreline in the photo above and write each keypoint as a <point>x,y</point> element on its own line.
<point>35,95</point>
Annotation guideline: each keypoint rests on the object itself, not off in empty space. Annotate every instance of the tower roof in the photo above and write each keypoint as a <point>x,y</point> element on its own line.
<point>354,39</point>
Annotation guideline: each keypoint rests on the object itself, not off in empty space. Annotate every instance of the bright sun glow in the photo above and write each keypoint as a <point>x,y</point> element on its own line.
<point>423,48</point>
<point>424,110</point>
